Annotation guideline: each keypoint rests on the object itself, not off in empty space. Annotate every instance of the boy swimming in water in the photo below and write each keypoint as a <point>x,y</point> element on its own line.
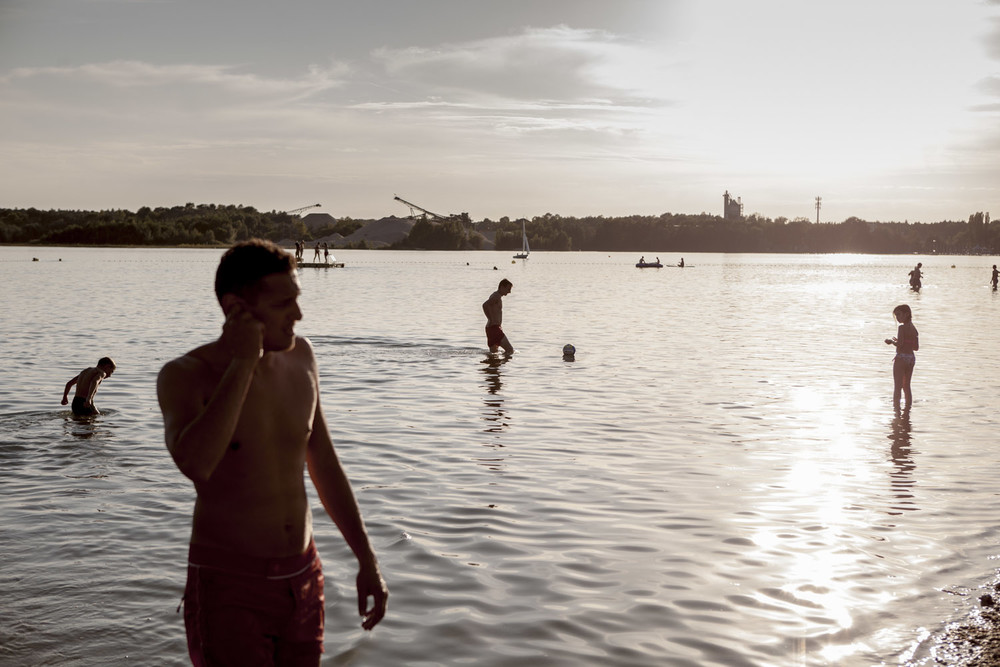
<point>87,382</point>
<point>907,342</point>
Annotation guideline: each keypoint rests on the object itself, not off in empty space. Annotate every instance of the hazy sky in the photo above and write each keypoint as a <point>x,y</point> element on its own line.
<point>887,109</point>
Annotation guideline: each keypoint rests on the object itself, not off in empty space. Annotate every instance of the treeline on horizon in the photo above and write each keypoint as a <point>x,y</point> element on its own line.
<point>214,225</point>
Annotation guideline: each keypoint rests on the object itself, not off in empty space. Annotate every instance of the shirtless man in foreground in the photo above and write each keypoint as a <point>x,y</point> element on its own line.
<point>242,417</point>
<point>493,307</point>
<point>87,383</point>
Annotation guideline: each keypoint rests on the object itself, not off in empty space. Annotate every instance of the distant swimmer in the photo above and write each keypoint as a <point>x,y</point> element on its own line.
<point>907,342</point>
<point>996,276</point>
<point>493,307</point>
<point>915,276</point>
<point>87,383</point>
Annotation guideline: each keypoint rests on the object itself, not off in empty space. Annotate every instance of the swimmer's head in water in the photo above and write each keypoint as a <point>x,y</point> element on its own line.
<point>243,266</point>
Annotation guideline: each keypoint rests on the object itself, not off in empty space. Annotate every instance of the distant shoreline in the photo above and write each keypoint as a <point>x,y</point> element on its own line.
<point>490,250</point>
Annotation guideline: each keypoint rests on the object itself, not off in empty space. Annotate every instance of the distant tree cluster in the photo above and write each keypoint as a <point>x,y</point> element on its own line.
<point>209,224</point>
<point>344,227</point>
<point>204,224</point>
<point>452,234</point>
<point>672,232</point>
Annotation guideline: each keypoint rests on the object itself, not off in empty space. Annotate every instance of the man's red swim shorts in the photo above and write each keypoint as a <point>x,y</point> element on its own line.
<point>494,334</point>
<point>241,610</point>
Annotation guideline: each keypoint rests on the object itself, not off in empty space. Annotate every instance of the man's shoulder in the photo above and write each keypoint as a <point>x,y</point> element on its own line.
<point>195,360</point>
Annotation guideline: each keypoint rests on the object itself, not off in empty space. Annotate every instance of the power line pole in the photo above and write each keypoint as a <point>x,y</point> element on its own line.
<point>819,200</point>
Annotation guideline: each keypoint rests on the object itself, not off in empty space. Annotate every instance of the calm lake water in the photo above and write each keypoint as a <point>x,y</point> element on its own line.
<point>718,478</point>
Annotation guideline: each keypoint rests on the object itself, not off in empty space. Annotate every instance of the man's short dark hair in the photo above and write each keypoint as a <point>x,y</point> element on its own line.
<point>505,282</point>
<point>243,265</point>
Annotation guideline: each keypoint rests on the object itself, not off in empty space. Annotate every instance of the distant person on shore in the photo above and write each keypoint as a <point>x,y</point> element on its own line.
<point>907,342</point>
<point>995,277</point>
<point>87,382</point>
<point>242,416</point>
<point>493,307</point>
<point>915,276</point>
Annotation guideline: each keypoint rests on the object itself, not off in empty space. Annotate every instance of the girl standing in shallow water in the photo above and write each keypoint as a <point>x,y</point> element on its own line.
<point>906,342</point>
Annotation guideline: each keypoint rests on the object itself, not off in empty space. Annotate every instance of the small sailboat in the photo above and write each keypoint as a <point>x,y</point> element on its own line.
<point>525,250</point>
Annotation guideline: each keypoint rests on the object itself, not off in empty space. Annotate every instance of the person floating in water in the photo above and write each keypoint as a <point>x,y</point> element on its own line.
<point>241,417</point>
<point>87,383</point>
<point>493,307</point>
<point>994,277</point>
<point>915,276</point>
<point>907,342</point>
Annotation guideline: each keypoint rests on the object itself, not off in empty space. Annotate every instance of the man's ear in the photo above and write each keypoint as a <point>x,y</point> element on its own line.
<point>228,302</point>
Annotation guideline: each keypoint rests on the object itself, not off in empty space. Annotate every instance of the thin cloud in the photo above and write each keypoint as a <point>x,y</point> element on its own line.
<point>124,74</point>
<point>559,64</point>
<point>992,39</point>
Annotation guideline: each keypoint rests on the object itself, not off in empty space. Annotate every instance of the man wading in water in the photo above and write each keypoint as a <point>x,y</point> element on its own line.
<point>242,417</point>
<point>493,308</point>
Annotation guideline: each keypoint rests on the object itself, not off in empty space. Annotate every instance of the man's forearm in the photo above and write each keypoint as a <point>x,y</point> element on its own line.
<point>334,490</point>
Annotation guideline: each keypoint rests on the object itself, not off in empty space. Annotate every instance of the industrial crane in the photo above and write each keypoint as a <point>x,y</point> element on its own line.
<point>304,208</point>
<point>430,214</point>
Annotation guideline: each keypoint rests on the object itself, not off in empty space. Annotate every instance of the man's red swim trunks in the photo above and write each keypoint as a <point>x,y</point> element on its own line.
<point>494,334</point>
<point>241,610</point>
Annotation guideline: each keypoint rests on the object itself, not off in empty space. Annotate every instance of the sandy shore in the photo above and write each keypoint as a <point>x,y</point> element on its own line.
<point>974,642</point>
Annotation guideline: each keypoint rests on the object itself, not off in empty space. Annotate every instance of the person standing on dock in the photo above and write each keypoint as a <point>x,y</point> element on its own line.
<point>493,307</point>
<point>87,382</point>
<point>316,253</point>
<point>241,418</point>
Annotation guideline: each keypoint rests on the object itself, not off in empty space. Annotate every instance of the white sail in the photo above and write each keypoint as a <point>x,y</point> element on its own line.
<point>524,244</point>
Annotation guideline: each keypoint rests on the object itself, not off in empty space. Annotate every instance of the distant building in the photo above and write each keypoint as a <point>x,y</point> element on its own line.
<point>732,209</point>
